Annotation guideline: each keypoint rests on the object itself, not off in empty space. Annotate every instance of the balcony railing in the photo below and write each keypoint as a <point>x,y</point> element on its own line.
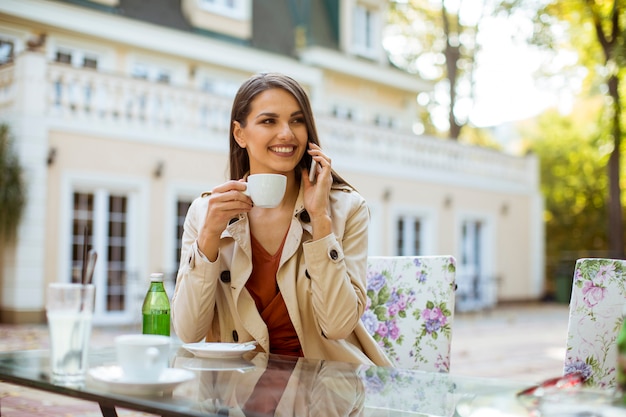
<point>120,105</point>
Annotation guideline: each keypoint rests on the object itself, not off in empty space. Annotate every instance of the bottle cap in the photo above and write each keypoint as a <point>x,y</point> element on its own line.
<point>156,277</point>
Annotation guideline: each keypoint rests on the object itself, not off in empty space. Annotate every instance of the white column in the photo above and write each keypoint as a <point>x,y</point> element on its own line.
<point>23,270</point>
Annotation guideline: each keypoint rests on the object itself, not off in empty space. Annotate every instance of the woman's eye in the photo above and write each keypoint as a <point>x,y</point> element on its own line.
<point>298,120</point>
<point>267,121</point>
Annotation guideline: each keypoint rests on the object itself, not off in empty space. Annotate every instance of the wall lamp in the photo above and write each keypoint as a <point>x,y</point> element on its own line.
<point>52,156</point>
<point>386,194</point>
<point>504,209</point>
<point>158,170</point>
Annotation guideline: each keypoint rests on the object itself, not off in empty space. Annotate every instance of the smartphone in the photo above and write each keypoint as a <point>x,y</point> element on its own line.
<point>313,171</point>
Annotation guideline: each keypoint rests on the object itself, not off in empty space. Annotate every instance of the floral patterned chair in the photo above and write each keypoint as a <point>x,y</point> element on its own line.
<point>595,317</point>
<point>410,309</point>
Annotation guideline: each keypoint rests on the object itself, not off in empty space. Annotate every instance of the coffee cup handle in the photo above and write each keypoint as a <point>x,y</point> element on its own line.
<point>246,191</point>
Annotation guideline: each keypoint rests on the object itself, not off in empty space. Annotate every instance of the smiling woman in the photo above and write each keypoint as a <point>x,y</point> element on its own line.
<point>291,277</point>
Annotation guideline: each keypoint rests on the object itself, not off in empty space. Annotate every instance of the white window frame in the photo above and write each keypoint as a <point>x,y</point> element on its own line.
<point>486,257</point>
<point>366,28</point>
<point>385,121</point>
<point>17,37</point>
<point>155,66</point>
<point>177,191</point>
<point>79,51</point>
<point>427,218</point>
<point>345,112</point>
<point>218,86</point>
<point>138,236</point>
<point>240,11</point>
<point>9,41</point>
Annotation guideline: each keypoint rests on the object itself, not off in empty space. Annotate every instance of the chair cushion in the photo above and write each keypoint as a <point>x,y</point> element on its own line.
<point>598,297</point>
<point>411,308</point>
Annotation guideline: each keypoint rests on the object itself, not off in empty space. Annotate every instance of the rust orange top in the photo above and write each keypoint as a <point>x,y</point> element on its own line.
<point>269,300</point>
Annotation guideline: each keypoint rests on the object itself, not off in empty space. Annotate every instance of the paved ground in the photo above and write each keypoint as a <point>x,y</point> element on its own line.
<point>523,342</point>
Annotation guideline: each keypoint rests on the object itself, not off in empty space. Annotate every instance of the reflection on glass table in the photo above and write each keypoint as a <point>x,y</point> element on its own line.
<point>257,384</point>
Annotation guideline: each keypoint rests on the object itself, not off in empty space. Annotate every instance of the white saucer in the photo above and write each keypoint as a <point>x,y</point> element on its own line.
<point>218,350</point>
<point>112,378</point>
<point>215,364</point>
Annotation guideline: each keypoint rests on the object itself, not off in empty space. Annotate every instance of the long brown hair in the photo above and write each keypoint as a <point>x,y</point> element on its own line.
<point>253,86</point>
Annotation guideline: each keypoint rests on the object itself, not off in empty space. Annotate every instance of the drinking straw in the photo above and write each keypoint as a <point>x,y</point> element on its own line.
<point>91,265</point>
<point>83,276</point>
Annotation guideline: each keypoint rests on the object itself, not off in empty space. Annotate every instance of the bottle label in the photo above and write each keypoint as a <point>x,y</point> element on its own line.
<point>157,322</point>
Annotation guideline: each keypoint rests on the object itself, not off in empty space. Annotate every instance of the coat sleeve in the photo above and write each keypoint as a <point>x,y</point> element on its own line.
<point>193,302</point>
<point>337,267</point>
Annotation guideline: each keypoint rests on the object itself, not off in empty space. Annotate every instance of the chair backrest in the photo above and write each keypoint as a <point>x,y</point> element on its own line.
<point>595,317</point>
<point>411,308</point>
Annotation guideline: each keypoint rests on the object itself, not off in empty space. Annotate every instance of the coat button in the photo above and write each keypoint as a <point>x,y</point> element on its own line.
<point>233,220</point>
<point>306,273</point>
<point>304,216</point>
<point>235,336</point>
<point>225,276</point>
<point>334,255</point>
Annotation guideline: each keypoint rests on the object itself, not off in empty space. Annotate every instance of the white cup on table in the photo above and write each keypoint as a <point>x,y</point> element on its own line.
<point>69,310</point>
<point>266,190</point>
<point>142,357</point>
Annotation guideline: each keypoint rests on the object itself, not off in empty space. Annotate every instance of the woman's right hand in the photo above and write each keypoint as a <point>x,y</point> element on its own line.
<point>226,201</point>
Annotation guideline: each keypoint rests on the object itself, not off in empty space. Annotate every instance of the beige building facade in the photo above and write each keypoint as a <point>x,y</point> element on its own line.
<point>120,122</point>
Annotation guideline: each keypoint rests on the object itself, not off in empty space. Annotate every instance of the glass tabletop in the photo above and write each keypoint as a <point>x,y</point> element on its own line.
<point>259,384</point>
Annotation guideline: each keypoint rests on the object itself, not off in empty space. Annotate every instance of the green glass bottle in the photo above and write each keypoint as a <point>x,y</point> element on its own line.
<point>156,308</point>
<point>621,357</point>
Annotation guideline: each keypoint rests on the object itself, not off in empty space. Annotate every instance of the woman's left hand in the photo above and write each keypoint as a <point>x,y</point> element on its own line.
<point>317,195</point>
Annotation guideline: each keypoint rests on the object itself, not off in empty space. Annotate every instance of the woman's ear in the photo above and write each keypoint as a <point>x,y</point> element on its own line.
<point>238,134</point>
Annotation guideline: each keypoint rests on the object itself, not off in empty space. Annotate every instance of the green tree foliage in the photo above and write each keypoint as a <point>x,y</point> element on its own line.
<point>596,31</point>
<point>12,187</point>
<point>573,151</point>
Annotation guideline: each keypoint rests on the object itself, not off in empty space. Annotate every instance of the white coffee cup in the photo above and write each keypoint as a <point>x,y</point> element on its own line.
<point>266,190</point>
<point>142,357</point>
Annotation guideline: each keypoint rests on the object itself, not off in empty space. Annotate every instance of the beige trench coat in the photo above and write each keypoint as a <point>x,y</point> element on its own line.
<point>323,283</point>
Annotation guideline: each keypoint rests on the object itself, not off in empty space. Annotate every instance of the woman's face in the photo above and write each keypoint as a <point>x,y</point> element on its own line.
<point>275,134</point>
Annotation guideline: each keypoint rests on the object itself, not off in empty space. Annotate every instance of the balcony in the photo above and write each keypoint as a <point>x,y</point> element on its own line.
<point>123,107</point>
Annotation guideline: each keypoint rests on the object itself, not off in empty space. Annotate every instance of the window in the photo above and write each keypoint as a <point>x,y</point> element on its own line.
<point>471,247</point>
<point>163,77</point>
<point>76,58</point>
<point>105,215</point>
<point>236,9</point>
<point>151,73</point>
<point>116,259</point>
<point>384,121</point>
<point>365,31</point>
<point>181,211</point>
<point>343,112</point>
<point>7,51</point>
<point>219,87</point>
<point>64,57</point>
<point>408,236</point>
<point>90,62</point>
<point>476,288</point>
<point>82,219</point>
<point>139,71</point>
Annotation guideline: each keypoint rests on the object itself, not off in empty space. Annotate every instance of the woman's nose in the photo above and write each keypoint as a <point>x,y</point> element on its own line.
<point>285,131</point>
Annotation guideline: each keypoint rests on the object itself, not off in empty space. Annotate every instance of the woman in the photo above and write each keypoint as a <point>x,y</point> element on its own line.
<point>292,277</point>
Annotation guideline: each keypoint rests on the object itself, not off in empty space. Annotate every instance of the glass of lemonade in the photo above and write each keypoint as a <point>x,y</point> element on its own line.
<point>69,309</point>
